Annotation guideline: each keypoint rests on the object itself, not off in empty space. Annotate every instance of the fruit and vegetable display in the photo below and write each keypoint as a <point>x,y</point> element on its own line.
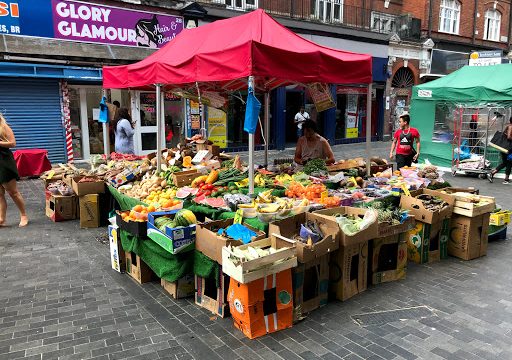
<point>310,233</point>
<point>389,213</point>
<point>352,224</point>
<point>315,166</point>
<point>138,213</point>
<point>60,188</point>
<point>181,219</point>
<point>238,255</point>
<point>432,203</point>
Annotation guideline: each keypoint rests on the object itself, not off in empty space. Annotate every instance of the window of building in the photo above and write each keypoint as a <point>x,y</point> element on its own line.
<point>492,25</point>
<point>330,11</point>
<point>241,4</point>
<point>383,23</point>
<point>449,16</point>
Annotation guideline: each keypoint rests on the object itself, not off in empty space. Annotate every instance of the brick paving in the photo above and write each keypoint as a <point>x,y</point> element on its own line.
<point>59,299</point>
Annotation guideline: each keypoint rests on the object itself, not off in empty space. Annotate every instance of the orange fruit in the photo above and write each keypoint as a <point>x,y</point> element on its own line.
<point>138,208</point>
<point>151,208</point>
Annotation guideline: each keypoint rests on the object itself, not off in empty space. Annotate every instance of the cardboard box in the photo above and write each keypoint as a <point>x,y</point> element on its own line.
<point>348,271</point>
<point>263,306</point>
<point>117,256</point>
<point>211,244</point>
<point>138,269</point>
<point>451,190</point>
<point>211,293</point>
<point>500,218</point>
<point>61,208</point>
<point>89,211</point>
<point>86,188</point>
<point>213,149</point>
<point>174,240</point>
<point>468,236</point>
<point>369,233</point>
<point>386,229</point>
<point>290,227</point>
<point>427,243</point>
<point>181,288</point>
<point>245,271</point>
<point>416,207</point>
<point>184,178</point>
<point>388,259</point>
<point>310,286</point>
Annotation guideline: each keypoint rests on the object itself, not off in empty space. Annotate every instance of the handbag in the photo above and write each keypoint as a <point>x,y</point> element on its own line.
<point>500,142</point>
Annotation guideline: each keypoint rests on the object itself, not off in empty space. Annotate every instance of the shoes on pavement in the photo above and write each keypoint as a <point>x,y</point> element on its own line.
<point>490,177</point>
<point>506,182</point>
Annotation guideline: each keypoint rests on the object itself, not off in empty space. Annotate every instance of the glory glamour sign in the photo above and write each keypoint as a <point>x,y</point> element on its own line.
<point>87,22</point>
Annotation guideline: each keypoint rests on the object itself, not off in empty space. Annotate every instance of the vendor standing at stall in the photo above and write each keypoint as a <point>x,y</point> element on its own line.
<point>312,146</point>
<point>403,141</point>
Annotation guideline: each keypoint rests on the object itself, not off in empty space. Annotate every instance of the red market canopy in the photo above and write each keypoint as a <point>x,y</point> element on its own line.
<point>222,54</point>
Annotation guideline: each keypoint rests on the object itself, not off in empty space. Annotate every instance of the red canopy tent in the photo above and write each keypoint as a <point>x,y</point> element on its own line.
<point>222,55</point>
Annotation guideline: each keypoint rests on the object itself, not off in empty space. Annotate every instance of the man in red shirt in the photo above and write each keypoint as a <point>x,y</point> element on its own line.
<point>403,140</point>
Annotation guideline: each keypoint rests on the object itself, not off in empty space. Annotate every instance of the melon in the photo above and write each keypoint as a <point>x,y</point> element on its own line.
<point>185,218</point>
<point>182,194</point>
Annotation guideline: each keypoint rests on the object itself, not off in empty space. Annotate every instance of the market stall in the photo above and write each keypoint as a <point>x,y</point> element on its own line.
<point>472,94</point>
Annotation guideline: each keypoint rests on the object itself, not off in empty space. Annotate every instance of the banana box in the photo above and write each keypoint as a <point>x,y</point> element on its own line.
<point>428,243</point>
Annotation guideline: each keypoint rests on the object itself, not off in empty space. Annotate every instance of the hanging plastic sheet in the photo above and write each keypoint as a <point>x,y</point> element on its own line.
<point>252,111</point>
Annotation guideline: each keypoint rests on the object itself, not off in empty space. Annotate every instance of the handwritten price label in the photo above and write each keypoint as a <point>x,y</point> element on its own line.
<point>239,215</point>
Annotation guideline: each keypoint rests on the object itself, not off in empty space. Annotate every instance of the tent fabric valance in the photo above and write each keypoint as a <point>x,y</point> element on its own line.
<point>222,54</point>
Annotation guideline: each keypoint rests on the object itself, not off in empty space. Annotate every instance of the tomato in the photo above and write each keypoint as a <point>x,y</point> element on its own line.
<point>201,184</point>
<point>209,187</point>
<point>199,193</point>
<point>207,193</point>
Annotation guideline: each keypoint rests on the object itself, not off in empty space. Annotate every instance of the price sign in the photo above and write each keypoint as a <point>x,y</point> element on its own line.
<point>239,215</point>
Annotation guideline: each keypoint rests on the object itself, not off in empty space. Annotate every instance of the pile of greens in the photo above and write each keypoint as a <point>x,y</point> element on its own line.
<point>315,166</point>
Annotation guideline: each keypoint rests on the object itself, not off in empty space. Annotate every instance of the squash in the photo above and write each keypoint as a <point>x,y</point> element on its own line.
<point>212,177</point>
<point>187,161</point>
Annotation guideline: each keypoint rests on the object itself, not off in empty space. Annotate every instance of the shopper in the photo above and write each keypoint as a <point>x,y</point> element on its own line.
<point>505,162</point>
<point>123,128</point>
<point>300,118</point>
<point>312,146</point>
<point>9,174</point>
<point>403,141</point>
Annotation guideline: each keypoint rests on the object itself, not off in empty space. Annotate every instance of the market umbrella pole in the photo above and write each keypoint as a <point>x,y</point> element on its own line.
<point>368,128</point>
<point>158,127</point>
<point>251,148</point>
<point>267,125</point>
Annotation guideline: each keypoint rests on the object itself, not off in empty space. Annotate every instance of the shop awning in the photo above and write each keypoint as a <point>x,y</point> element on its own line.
<point>221,55</point>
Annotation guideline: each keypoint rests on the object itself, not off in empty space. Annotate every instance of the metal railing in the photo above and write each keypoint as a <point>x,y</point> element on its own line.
<point>326,11</point>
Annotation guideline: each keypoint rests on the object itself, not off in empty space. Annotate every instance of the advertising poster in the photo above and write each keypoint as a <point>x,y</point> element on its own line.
<point>88,22</point>
<point>321,95</point>
<point>217,127</point>
<point>193,117</point>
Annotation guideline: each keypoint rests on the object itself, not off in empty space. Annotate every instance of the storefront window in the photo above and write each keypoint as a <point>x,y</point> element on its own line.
<point>351,113</point>
<point>76,126</point>
<point>93,98</point>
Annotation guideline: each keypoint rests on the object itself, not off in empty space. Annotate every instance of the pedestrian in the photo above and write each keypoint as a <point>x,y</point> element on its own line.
<point>300,119</point>
<point>9,174</point>
<point>505,162</point>
<point>403,141</point>
<point>313,146</point>
<point>123,128</point>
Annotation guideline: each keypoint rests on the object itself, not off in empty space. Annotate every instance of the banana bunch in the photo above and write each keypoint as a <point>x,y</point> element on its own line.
<point>283,178</point>
<point>259,180</point>
<point>265,197</point>
<point>277,206</point>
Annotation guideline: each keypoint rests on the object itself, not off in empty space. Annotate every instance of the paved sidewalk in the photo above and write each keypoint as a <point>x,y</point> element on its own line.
<point>59,299</point>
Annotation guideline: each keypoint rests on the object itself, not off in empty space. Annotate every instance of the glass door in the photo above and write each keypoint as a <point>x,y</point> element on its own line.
<point>146,123</point>
<point>76,123</point>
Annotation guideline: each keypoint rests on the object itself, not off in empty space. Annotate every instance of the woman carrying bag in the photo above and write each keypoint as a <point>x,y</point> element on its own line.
<point>506,162</point>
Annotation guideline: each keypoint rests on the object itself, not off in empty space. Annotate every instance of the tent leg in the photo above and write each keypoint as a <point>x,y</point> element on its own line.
<point>106,134</point>
<point>251,149</point>
<point>267,125</point>
<point>368,128</point>
<point>158,127</point>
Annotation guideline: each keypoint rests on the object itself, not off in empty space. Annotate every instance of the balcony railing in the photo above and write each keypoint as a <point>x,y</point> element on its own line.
<point>328,12</point>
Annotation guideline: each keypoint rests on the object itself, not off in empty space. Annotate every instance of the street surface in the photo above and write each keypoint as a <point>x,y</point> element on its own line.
<point>59,299</point>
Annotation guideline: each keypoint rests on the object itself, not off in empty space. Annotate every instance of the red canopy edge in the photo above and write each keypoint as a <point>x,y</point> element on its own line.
<point>221,55</point>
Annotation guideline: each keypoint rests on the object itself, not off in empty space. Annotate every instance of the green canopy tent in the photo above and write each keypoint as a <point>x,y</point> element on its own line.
<point>470,86</point>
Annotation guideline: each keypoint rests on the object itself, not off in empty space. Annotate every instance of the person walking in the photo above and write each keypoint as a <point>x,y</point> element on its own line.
<point>9,174</point>
<point>300,118</point>
<point>123,128</point>
<point>403,142</point>
<point>505,162</point>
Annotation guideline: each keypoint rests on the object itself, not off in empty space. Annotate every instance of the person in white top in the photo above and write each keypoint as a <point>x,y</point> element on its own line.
<point>300,119</point>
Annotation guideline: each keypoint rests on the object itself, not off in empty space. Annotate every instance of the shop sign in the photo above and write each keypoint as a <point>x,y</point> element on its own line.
<point>321,95</point>
<point>86,22</point>
<point>485,58</point>
<point>351,90</point>
<point>217,127</point>
<point>425,93</point>
<point>352,133</point>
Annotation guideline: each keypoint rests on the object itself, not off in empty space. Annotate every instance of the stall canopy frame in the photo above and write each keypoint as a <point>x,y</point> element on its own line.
<point>221,56</point>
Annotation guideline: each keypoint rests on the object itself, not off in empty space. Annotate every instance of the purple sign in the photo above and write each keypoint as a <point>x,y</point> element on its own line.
<point>79,21</point>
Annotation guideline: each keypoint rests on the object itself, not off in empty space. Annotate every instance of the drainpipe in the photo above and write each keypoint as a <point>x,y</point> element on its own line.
<point>474,21</point>
<point>430,9</point>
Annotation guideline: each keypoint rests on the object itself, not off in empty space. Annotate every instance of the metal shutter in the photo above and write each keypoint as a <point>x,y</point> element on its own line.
<point>32,109</point>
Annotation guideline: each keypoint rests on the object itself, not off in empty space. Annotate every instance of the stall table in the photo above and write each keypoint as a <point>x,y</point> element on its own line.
<point>32,162</point>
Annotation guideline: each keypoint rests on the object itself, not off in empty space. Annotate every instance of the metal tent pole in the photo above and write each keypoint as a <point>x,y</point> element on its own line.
<point>368,128</point>
<point>106,134</point>
<point>251,148</point>
<point>267,125</point>
<point>158,127</point>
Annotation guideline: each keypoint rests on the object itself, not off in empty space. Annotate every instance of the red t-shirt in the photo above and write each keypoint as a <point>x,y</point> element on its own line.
<point>405,140</point>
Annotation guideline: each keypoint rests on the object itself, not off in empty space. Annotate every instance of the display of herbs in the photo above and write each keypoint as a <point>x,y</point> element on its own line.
<point>438,185</point>
<point>315,166</point>
<point>432,203</point>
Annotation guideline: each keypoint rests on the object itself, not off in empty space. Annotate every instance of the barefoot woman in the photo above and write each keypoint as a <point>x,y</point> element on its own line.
<point>9,174</point>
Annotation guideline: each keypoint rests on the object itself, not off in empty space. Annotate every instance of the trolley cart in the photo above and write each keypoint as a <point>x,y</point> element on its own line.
<point>472,130</point>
